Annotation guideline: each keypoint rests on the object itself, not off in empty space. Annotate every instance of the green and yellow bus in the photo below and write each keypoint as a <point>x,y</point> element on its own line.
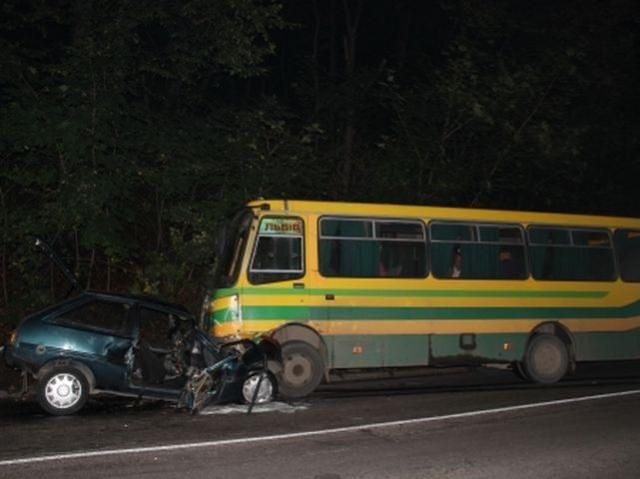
<point>352,287</point>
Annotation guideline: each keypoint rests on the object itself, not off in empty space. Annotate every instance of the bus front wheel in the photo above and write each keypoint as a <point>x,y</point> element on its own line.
<point>302,369</point>
<point>546,359</point>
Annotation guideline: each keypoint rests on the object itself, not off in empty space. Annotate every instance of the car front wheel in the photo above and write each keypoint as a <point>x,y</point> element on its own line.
<point>259,387</point>
<point>63,391</point>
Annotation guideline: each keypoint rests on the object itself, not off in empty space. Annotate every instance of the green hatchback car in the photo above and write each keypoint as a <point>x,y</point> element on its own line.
<point>105,343</point>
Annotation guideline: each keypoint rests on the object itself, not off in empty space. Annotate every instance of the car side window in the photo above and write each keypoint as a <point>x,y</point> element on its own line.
<point>156,328</point>
<point>100,315</point>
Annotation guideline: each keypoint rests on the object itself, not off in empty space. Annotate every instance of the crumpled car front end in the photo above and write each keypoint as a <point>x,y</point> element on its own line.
<point>242,370</point>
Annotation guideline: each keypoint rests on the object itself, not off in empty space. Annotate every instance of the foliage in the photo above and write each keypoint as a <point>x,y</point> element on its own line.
<point>130,129</point>
<point>111,142</point>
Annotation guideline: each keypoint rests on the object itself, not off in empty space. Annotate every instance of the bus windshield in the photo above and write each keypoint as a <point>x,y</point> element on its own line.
<point>230,244</point>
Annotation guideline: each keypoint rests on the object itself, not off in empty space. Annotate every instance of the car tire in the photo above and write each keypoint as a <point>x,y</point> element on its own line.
<point>63,391</point>
<point>268,387</point>
<point>546,359</point>
<point>302,370</point>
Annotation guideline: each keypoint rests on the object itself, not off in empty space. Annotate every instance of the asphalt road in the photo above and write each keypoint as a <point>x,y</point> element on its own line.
<point>480,424</point>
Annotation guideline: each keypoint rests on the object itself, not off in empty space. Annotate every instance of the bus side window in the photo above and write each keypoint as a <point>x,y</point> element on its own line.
<point>571,254</point>
<point>402,249</point>
<point>477,251</point>
<point>451,248</point>
<point>372,248</point>
<point>511,264</point>
<point>627,245</point>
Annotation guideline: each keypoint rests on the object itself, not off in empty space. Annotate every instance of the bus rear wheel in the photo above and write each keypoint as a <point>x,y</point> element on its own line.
<point>302,369</point>
<point>546,360</point>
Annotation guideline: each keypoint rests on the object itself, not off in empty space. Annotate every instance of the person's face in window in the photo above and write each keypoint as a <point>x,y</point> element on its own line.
<point>505,256</point>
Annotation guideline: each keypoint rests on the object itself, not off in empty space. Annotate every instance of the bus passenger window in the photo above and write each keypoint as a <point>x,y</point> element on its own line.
<point>372,248</point>
<point>571,254</point>
<point>627,244</point>
<point>510,263</point>
<point>477,251</point>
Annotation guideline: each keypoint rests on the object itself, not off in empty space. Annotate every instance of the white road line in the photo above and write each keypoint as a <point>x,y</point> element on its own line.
<point>321,432</point>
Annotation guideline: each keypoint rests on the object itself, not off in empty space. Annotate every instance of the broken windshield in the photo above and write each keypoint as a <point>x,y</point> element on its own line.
<point>230,244</point>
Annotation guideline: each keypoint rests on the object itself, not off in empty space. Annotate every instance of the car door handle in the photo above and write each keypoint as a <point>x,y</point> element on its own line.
<point>329,297</point>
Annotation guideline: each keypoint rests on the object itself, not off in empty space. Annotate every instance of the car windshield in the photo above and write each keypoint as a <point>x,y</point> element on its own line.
<point>231,242</point>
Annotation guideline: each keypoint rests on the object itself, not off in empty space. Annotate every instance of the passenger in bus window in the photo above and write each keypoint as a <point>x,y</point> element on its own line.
<point>382,268</point>
<point>388,265</point>
<point>508,266</point>
<point>455,271</point>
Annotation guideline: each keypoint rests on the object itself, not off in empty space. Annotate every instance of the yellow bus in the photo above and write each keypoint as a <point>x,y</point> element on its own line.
<point>374,287</point>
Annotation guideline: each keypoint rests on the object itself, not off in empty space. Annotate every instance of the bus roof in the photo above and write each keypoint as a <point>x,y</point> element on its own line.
<point>439,212</point>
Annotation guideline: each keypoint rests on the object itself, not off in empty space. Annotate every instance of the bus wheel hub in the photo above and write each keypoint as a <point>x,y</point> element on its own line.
<point>297,370</point>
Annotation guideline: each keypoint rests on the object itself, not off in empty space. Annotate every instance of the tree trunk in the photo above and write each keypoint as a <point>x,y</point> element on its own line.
<point>314,57</point>
<point>77,250</point>
<point>5,289</point>
<point>108,273</point>
<point>352,22</point>
<point>92,262</point>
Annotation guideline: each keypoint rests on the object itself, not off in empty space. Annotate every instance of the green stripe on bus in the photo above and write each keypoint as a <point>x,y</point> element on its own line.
<point>401,293</point>
<point>289,313</point>
<point>429,349</point>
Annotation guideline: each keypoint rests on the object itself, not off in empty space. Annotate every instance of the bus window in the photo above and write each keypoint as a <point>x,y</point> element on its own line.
<point>477,251</point>
<point>453,232</point>
<point>402,249</point>
<point>627,244</point>
<point>346,228</point>
<point>507,244</point>
<point>571,254</point>
<point>278,254</point>
<point>448,259</point>
<point>368,248</point>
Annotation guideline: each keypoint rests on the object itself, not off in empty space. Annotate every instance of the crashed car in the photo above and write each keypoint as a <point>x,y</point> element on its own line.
<point>103,343</point>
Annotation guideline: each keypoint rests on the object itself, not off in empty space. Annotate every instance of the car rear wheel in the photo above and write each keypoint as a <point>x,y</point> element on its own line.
<point>63,391</point>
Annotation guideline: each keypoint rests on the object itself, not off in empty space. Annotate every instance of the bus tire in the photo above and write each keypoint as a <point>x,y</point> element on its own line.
<point>302,370</point>
<point>546,360</point>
